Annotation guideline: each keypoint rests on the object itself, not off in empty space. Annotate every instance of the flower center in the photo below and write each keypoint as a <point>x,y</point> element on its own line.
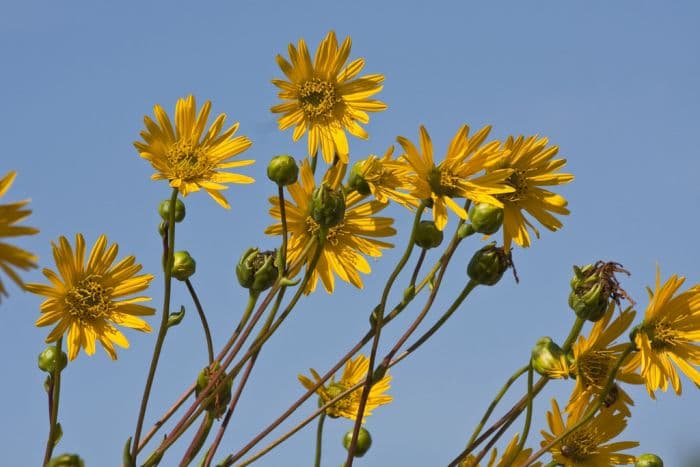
<point>344,405</point>
<point>443,182</point>
<point>88,300</point>
<point>594,367</point>
<point>187,161</point>
<point>317,99</point>
<point>662,336</point>
<point>334,233</point>
<point>580,444</point>
<point>518,180</point>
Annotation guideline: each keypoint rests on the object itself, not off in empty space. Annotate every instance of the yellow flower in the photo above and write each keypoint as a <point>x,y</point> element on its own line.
<point>345,243</point>
<point>505,460</point>
<point>10,255</point>
<point>456,176</point>
<point>188,158</point>
<point>355,372</point>
<point>322,98</point>
<point>387,179</point>
<point>86,299</point>
<point>584,447</point>
<point>596,356</point>
<point>533,168</point>
<point>669,334</point>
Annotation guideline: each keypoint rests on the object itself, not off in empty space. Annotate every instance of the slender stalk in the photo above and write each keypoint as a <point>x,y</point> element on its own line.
<point>198,440</point>
<point>54,398</point>
<point>591,412</point>
<point>528,416</point>
<point>319,440</point>
<point>162,330</point>
<point>166,417</point>
<point>203,319</point>
<point>282,268</point>
<point>379,317</point>
<point>419,263</point>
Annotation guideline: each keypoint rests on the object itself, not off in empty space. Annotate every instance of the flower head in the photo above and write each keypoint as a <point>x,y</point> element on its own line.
<point>669,334</point>
<point>457,176</point>
<point>323,98</point>
<point>12,257</point>
<point>532,167</point>
<point>584,447</point>
<point>385,178</point>
<point>87,299</point>
<point>346,242</point>
<point>355,372</point>
<point>187,157</point>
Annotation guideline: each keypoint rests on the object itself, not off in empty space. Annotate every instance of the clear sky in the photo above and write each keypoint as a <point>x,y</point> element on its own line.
<point>614,84</point>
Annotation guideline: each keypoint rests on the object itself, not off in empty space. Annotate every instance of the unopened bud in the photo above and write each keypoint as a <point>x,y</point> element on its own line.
<point>216,404</point>
<point>648,460</point>
<point>283,170</point>
<point>363,443</point>
<point>547,358</point>
<point>427,235</point>
<point>488,265</point>
<point>164,210</point>
<point>327,206</point>
<point>256,270</point>
<point>52,359</point>
<point>66,460</point>
<point>183,266</point>
<point>486,218</point>
<point>356,181</point>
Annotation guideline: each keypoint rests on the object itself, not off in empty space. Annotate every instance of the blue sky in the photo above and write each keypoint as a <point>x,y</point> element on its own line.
<point>614,84</point>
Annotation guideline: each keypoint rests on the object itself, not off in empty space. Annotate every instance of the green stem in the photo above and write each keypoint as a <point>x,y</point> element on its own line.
<point>163,323</point>
<point>528,417</point>
<point>198,440</point>
<point>203,319</point>
<point>282,267</point>
<point>319,440</point>
<point>591,412</point>
<point>54,398</point>
<point>419,263</point>
<point>379,317</point>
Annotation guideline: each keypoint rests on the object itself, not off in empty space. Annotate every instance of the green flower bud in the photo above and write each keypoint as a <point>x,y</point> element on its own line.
<point>164,210</point>
<point>427,235</point>
<point>356,181</point>
<point>594,288</point>
<point>327,206</point>
<point>216,403</point>
<point>465,230</point>
<point>183,266</point>
<point>163,228</point>
<point>648,460</point>
<point>66,460</point>
<point>488,265</point>
<point>51,359</point>
<point>363,443</point>
<point>546,357</point>
<point>486,218</point>
<point>256,270</point>
<point>283,170</point>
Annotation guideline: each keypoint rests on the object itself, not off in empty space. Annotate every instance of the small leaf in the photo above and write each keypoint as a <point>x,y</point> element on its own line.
<point>175,318</point>
<point>126,455</point>
<point>58,434</point>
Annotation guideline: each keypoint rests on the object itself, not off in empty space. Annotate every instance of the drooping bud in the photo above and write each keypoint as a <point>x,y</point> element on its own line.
<point>183,266</point>
<point>216,404</point>
<point>486,218</point>
<point>256,270</point>
<point>548,359</point>
<point>164,210</point>
<point>283,170</point>
<point>363,443</point>
<point>356,181</point>
<point>327,206</point>
<point>66,460</point>
<point>488,265</point>
<point>648,460</point>
<point>51,359</point>
<point>427,235</point>
<point>593,287</point>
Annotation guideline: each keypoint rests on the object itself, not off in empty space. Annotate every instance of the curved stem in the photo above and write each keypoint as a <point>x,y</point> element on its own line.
<point>419,263</point>
<point>282,267</point>
<point>54,397</point>
<point>528,416</point>
<point>203,319</point>
<point>319,440</point>
<point>168,264</point>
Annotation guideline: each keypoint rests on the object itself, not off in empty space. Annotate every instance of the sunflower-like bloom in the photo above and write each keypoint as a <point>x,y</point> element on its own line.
<point>457,175</point>
<point>355,372</point>
<point>669,334</point>
<point>533,167</point>
<point>323,99</point>
<point>506,459</point>
<point>345,243</point>
<point>386,179</point>
<point>188,158</point>
<point>584,447</point>
<point>595,357</point>
<point>86,299</point>
<point>10,255</point>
